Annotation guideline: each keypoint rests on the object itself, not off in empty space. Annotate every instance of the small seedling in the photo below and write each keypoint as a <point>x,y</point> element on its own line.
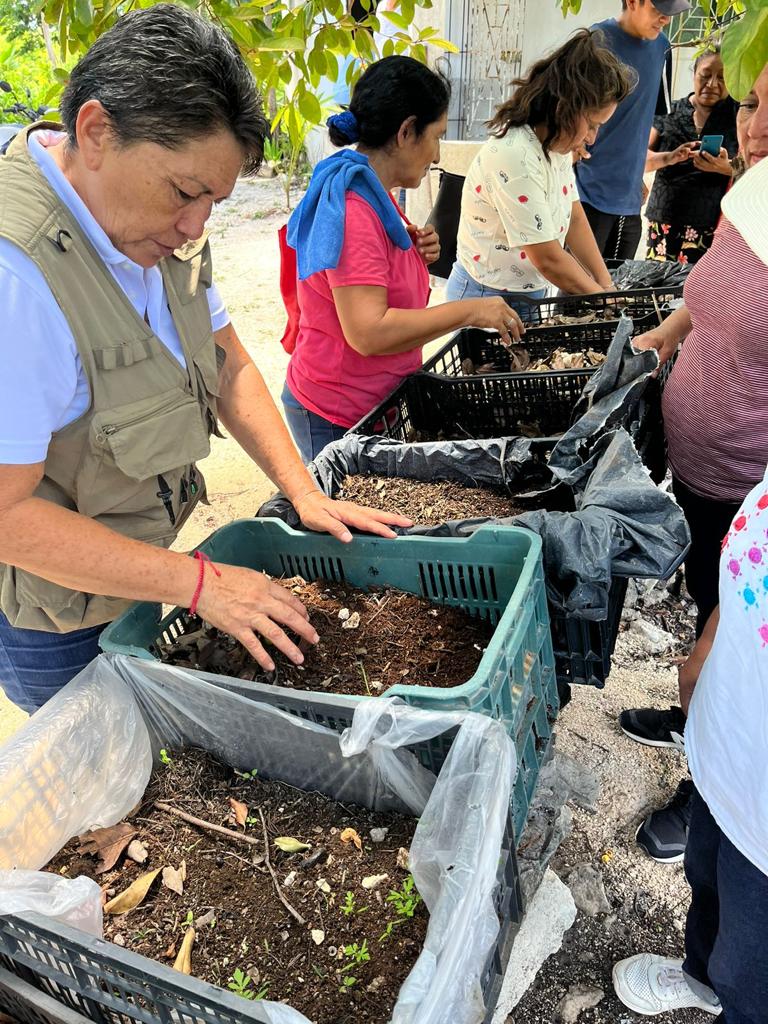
<point>347,982</point>
<point>241,984</point>
<point>387,933</point>
<point>247,775</point>
<point>405,899</point>
<point>349,906</point>
<point>166,758</point>
<point>189,920</point>
<point>356,955</point>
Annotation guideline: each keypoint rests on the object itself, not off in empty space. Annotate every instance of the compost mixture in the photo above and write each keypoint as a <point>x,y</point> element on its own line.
<point>301,899</point>
<point>369,641</point>
<point>429,504</point>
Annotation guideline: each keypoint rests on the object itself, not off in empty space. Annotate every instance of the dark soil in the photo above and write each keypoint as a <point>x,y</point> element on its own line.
<point>241,925</point>
<point>428,504</point>
<point>369,641</point>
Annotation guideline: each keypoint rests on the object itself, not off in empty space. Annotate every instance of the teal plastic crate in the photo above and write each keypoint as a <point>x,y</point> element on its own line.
<point>496,574</point>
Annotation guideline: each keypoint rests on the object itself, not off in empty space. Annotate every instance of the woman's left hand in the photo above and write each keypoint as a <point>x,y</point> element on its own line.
<point>319,512</point>
<point>714,164</point>
<point>427,242</point>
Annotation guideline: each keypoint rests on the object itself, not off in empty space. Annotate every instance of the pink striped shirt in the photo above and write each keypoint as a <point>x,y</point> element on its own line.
<point>716,400</point>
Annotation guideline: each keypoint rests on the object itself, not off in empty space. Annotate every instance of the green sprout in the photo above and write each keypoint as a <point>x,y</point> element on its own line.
<point>349,906</point>
<point>166,758</point>
<point>405,899</point>
<point>242,985</point>
<point>247,775</point>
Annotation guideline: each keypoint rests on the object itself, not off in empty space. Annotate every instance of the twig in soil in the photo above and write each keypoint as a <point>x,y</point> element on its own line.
<point>207,825</point>
<point>586,739</point>
<point>379,610</point>
<point>275,880</point>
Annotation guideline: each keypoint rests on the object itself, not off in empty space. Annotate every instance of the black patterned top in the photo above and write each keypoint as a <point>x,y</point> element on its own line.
<point>681,194</point>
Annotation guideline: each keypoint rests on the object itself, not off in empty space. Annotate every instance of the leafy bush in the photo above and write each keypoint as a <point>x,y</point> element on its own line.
<point>28,83</point>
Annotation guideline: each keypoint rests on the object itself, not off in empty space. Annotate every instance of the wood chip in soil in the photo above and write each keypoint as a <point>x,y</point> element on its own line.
<point>230,900</point>
<point>428,504</point>
<point>369,641</point>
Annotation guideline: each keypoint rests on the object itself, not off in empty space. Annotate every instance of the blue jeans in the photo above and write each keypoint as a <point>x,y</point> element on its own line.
<point>34,665</point>
<point>462,285</point>
<point>727,925</point>
<point>310,431</point>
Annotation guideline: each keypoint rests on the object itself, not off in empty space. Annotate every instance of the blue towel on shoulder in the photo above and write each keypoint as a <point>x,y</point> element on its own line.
<point>316,226</point>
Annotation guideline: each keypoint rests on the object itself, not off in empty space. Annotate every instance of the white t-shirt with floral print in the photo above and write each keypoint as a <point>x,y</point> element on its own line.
<point>726,735</point>
<point>513,196</point>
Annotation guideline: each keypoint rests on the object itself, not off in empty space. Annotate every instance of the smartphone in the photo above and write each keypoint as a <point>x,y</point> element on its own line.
<point>711,144</point>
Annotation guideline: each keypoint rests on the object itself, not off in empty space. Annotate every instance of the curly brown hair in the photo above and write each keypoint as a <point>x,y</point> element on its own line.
<point>580,77</point>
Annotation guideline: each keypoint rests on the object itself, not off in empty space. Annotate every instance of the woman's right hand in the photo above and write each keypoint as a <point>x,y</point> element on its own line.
<point>494,314</point>
<point>659,338</point>
<point>245,603</point>
<point>681,154</point>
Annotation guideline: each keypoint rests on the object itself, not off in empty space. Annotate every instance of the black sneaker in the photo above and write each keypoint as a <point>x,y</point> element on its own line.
<point>654,728</point>
<point>664,833</point>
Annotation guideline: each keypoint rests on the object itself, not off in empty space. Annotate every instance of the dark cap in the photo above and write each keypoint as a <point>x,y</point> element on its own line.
<point>670,7</point>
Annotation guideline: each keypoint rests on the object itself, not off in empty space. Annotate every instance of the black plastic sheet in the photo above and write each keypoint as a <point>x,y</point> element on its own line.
<point>649,274</point>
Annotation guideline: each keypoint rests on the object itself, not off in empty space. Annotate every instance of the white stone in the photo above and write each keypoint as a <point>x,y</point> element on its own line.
<point>577,999</point>
<point>654,639</point>
<point>550,914</point>
<point>588,891</point>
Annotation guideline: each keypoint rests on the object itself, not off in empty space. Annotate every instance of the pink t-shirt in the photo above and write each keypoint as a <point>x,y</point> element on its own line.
<point>716,400</point>
<point>325,373</point>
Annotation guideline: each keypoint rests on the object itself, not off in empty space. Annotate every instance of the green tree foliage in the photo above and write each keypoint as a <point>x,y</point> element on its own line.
<point>742,25</point>
<point>289,47</point>
<point>28,83</point>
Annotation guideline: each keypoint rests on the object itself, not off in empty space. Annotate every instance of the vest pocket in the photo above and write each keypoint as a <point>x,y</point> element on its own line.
<point>132,445</point>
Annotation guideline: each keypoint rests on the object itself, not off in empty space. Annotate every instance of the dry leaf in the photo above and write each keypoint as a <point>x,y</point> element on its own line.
<point>403,859</point>
<point>290,845</point>
<point>183,961</point>
<point>170,953</point>
<point>173,879</point>
<point>137,851</point>
<point>323,886</point>
<point>352,622</point>
<point>318,936</point>
<point>349,835</point>
<point>133,895</point>
<point>374,881</point>
<point>107,843</point>
<point>239,811</point>
<point>205,919</point>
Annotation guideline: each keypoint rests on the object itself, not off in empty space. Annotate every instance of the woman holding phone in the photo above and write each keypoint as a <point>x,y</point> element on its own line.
<point>691,149</point>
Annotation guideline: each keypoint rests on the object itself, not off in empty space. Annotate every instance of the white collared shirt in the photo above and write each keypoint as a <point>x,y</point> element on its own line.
<point>42,383</point>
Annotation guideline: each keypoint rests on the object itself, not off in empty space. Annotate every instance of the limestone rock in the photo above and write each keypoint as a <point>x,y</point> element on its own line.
<point>550,914</point>
<point>586,885</point>
<point>652,638</point>
<point>577,999</point>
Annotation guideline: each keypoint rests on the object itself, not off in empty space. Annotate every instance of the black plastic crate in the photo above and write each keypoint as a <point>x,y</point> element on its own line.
<point>636,302</point>
<point>427,407</point>
<point>583,648</point>
<point>51,972</point>
<point>482,348</point>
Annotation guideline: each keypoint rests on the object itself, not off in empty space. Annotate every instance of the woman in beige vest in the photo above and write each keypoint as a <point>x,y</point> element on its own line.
<point>118,357</point>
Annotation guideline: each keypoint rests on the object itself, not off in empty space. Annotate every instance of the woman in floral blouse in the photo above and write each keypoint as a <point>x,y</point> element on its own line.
<point>684,206</point>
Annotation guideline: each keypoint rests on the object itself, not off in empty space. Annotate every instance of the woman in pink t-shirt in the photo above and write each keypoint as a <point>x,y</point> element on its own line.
<point>363,281</point>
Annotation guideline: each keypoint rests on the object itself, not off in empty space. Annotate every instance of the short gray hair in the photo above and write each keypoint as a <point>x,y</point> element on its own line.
<point>166,75</point>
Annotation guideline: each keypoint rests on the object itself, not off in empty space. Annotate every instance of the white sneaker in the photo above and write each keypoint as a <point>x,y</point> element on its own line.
<point>650,984</point>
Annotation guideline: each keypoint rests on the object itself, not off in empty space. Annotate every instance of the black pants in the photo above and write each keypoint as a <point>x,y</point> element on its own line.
<point>727,924</point>
<point>617,237</point>
<point>708,521</point>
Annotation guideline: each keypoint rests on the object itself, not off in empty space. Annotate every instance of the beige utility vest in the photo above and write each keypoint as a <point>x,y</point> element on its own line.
<point>129,461</point>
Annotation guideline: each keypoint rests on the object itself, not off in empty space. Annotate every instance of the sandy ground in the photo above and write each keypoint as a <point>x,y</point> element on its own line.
<point>634,778</point>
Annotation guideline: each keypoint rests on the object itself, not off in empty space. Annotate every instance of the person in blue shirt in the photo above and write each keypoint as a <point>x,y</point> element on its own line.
<point>610,174</point>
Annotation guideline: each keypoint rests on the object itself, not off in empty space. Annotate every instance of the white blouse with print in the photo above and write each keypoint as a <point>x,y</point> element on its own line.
<point>513,196</point>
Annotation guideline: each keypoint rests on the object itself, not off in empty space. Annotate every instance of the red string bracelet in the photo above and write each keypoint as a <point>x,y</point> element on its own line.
<point>203,559</point>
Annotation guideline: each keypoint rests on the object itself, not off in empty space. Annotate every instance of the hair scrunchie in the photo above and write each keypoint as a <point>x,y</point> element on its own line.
<point>346,123</point>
